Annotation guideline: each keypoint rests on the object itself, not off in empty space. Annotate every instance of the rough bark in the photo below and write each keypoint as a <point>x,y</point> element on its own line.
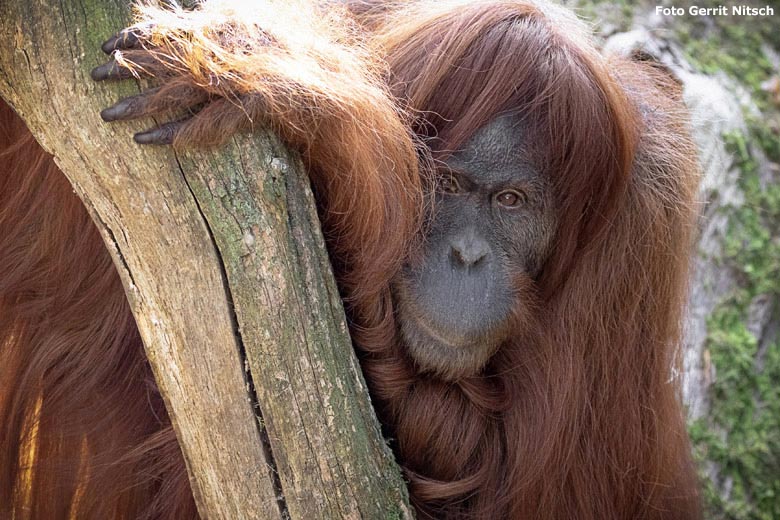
<point>225,269</point>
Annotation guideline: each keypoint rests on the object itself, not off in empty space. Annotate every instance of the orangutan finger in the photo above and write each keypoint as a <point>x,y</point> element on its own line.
<point>152,101</point>
<point>128,108</point>
<point>164,134</point>
<point>124,39</point>
<point>110,70</point>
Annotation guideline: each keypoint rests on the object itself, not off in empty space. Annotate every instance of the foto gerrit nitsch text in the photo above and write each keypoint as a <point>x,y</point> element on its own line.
<point>721,10</point>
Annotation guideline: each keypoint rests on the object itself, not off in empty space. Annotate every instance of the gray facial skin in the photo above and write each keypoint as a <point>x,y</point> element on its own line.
<point>490,234</point>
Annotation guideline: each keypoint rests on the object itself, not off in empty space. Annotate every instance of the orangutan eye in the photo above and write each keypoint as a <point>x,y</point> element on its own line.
<point>449,184</point>
<point>511,198</point>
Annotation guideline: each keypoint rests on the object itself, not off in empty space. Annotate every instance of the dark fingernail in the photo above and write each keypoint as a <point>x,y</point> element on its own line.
<point>100,72</point>
<point>107,114</point>
<point>109,45</point>
<point>144,137</point>
<point>110,70</point>
<point>122,40</point>
<point>111,113</point>
<point>123,109</point>
<point>156,136</point>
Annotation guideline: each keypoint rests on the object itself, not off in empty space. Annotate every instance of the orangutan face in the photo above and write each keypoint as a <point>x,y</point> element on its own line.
<point>490,234</point>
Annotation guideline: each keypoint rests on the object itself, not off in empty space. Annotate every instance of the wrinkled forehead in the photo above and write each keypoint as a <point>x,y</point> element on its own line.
<point>497,152</point>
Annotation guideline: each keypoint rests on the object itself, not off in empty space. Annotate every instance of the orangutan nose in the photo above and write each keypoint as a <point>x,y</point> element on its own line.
<point>469,250</point>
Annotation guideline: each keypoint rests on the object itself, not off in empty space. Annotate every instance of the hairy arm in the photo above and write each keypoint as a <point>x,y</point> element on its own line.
<point>303,70</point>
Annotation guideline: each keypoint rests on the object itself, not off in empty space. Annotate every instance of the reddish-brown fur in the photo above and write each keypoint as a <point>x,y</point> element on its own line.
<point>74,383</point>
<point>577,416</point>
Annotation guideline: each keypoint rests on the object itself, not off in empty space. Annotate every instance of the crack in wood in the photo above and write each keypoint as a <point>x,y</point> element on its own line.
<point>281,503</point>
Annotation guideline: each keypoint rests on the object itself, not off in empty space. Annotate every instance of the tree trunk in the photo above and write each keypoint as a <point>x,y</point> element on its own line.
<point>225,269</point>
